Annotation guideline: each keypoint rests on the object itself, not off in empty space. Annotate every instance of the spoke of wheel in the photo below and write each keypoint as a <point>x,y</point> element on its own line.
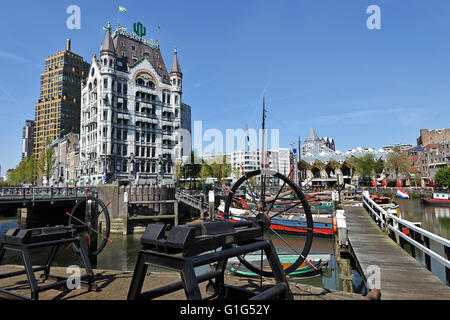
<point>279,213</point>
<point>104,208</point>
<point>89,228</point>
<point>279,192</point>
<point>285,210</point>
<point>248,184</point>
<point>293,249</point>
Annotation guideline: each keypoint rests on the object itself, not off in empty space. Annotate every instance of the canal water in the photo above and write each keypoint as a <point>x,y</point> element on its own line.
<point>433,219</point>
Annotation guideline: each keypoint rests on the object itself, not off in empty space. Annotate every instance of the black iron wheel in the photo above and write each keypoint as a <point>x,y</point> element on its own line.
<point>263,208</point>
<point>91,222</point>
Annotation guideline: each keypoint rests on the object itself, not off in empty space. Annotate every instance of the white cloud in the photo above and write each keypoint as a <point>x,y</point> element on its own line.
<point>12,56</point>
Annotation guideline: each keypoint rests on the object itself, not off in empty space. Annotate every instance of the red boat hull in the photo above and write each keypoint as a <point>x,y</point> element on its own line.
<point>321,232</point>
<point>436,202</point>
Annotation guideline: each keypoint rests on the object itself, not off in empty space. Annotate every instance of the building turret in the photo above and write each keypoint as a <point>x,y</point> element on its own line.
<point>176,80</point>
<point>108,52</point>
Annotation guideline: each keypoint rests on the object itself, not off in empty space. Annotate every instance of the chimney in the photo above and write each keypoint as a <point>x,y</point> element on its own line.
<point>68,44</point>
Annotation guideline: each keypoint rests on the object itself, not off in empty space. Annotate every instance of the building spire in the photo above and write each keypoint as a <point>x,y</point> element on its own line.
<point>108,45</point>
<point>312,136</point>
<point>175,65</point>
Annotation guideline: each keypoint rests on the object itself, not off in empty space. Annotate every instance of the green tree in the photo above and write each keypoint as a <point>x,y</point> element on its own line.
<point>397,162</point>
<point>367,166</point>
<point>442,177</point>
<point>47,161</point>
<point>178,171</point>
<point>24,173</point>
<point>417,179</point>
<point>192,168</point>
<point>188,170</point>
<point>217,168</point>
<point>205,172</point>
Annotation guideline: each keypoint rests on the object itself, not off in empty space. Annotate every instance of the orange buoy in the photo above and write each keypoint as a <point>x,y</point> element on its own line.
<point>334,224</point>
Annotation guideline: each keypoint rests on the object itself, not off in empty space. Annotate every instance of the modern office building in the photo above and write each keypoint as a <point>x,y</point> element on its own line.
<point>131,109</point>
<point>58,108</point>
<point>27,139</point>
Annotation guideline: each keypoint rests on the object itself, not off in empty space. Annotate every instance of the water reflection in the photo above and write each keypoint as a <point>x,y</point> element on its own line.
<point>433,219</point>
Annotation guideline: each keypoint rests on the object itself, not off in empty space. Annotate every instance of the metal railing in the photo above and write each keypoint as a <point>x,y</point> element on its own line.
<point>16,193</point>
<point>417,237</point>
<point>191,201</point>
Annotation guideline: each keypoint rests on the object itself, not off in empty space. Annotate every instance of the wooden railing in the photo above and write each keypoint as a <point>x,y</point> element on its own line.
<point>417,237</point>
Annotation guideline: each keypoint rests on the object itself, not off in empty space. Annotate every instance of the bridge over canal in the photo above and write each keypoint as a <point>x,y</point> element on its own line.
<point>26,196</point>
<point>41,206</point>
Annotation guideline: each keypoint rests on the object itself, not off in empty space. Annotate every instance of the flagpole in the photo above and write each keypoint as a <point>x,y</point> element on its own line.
<point>118,13</point>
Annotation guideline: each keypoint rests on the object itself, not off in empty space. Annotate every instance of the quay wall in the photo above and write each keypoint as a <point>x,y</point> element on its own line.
<point>390,192</point>
<point>128,217</point>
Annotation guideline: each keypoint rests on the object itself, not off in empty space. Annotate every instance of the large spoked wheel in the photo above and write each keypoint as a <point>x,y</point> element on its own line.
<point>269,195</point>
<point>91,222</point>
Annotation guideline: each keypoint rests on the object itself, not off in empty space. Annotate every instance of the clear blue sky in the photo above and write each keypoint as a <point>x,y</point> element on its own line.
<point>316,61</point>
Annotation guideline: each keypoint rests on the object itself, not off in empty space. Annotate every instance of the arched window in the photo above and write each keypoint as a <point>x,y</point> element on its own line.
<point>150,84</point>
<point>140,82</point>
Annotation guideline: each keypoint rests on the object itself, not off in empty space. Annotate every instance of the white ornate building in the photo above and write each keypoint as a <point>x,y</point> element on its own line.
<point>130,109</point>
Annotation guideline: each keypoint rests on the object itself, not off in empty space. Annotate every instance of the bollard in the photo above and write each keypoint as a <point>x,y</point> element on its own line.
<point>212,209</point>
<point>125,218</point>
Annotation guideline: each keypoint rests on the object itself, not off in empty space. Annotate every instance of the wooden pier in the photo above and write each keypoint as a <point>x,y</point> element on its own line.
<point>402,277</point>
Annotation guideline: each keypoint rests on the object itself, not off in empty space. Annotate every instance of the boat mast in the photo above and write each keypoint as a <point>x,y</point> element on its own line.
<point>299,161</point>
<point>263,157</point>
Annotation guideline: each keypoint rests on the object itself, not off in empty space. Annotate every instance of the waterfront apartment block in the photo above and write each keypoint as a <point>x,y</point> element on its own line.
<point>426,161</point>
<point>67,160</point>
<point>280,160</point>
<point>131,108</point>
<point>433,136</point>
<point>58,108</point>
<point>401,146</point>
<point>27,139</point>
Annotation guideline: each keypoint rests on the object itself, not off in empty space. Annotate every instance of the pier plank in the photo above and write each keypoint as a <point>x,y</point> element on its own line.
<point>402,277</point>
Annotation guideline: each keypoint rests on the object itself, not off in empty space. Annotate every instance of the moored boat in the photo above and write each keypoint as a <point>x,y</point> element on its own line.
<point>440,199</point>
<point>291,223</point>
<point>305,270</point>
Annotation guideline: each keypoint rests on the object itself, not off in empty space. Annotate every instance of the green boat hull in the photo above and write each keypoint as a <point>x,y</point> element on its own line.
<point>305,271</point>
